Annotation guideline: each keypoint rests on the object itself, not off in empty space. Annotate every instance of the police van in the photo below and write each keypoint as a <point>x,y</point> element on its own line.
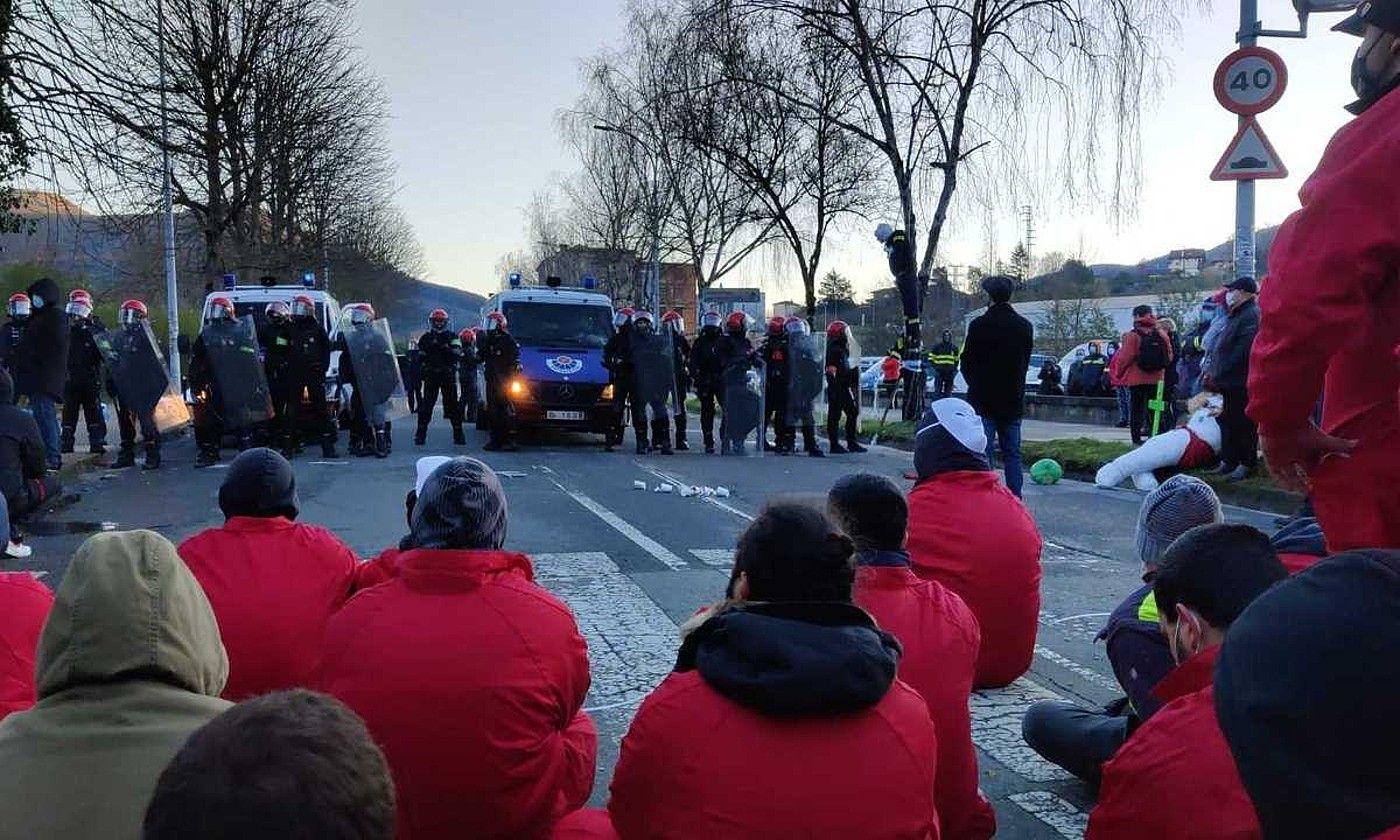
<point>254,299</point>
<point>561,333</point>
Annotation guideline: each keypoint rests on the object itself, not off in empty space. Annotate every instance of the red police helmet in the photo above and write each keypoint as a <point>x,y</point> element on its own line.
<point>19,304</point>
<point>737,322</point>
<point>277,309</point>
<point>468,335</point>
<point>361,313</point>
<point>775,324</point>
<point>437,315</point>
<point>836,329</point>
<point>496,321</point>
<point>796,326</point>
<point>712,319</point>
<point>220,307</point>
<point>672,320</point>
<point>79,294</point>
<point>132,311</point>
<point>303,306</point>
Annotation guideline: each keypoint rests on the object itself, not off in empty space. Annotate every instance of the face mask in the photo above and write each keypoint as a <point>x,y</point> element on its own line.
<point>37,301</point>
<point>1179,651</point>
<point>1368,88</point>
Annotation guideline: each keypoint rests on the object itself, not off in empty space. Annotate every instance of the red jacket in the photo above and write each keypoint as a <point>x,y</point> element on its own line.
<point>273,585</point>
<point>697,766</point>
<point>1175,777</point>
<point>890,369</point>
<point>969,533</point>
<point>24,605</point>
<point>1330,326</point>
<point>471,678</point>
<point>940,639</point>
<point>1124,366</point>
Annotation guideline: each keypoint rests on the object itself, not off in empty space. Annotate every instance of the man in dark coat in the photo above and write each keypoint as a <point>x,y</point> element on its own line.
<point>1227,374</point>
<point>995,358</point>
<point>40,363</point>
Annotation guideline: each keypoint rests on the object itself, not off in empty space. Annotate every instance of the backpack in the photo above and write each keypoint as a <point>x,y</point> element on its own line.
<point>1152,352</point>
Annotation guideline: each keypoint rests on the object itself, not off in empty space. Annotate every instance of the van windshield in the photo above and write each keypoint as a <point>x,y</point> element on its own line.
<point>258,309</point>
<point>559,325</point>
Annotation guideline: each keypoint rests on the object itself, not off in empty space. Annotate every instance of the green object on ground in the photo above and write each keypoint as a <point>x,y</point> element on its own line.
<point>1046,471</point>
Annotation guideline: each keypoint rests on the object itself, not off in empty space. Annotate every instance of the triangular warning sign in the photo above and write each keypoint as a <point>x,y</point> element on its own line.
<point>1251,157</point>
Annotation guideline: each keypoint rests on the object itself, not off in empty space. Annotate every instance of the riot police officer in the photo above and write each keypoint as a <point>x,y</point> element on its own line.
<point>18,309</point>
<point>708,373</point>
<point>673,324</point>
<point>441,352</point>
<point>842,388</point>
<point>501,356</point>
<point>466,375</point>
<point>743,414</point>
<point>82,391</point>
<point>210,422</point>
<point>773,351</point>
<point>367,435</point>
<point>300,402</point>
<point>617,358</point>
<point>133,342</point>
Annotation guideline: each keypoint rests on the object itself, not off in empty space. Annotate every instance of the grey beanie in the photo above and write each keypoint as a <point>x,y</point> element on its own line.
<point>462,506</point>
<point>1181,503</point>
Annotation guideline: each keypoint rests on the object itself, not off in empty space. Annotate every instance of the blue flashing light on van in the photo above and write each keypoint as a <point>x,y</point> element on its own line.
<point>561,333</point>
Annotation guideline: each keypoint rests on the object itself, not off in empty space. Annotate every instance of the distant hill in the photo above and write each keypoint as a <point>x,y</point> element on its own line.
<point>416,298</point>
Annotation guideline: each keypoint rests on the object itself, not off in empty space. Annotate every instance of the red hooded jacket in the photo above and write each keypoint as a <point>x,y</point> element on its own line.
<point>940,639</point>
<point>1175,777</point>
<point>969,533</point>
<point>1124,366</point>
<point>24,606</point>
<point>471,678</point>
<point>1330,326</point>
<point>273,584</point>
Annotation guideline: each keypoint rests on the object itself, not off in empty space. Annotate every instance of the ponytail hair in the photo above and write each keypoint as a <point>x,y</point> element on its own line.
<point>793,552</point>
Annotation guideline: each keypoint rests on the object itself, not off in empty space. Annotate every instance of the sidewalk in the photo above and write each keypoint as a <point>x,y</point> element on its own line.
<point>1041,430</point>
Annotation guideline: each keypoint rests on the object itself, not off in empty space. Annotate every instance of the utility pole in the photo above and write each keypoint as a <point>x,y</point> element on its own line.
<point>1029,219</point>
<point>172,296</point>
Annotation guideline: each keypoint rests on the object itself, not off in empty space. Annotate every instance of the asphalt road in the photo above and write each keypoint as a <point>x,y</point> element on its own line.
<point>634,563</point>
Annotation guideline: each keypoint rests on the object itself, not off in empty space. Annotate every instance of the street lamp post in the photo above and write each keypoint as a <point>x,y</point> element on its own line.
<point>172,296</point>
<point>652,287</point>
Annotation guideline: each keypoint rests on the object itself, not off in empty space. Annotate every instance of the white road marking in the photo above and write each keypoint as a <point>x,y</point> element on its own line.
<point>996,729</point>
<point>1087,674</point>
<point>1050,809</point>
<point>631,643</point>
<point>1059,555</point>
<point>662,554</point>
<point>341,463</point>
<point>719,557</point>
<point>1068,618</point>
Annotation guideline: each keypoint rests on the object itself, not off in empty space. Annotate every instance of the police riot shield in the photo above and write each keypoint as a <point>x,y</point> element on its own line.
<point>806,375</point>
<point>654,366</point>
<point>137,368</point>
<point>378,382</point>
<point>742,429</point>
<point>240,391</point>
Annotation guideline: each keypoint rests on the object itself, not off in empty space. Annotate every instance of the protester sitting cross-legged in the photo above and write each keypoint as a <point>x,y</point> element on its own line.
<point>1308,691</point>
<point>937,630</point>
<point>969,533</point>
<point>294,764</point>
<point>1175,777</point>
<point>24,479</point>
<point>24,604</point>
<point>783,717</point>
<point>129,664</point>
<point>273,582</point>
<point>1081,740</point>
<point>470,676</point>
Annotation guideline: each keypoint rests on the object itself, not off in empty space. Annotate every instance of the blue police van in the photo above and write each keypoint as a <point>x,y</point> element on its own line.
<point>561,333</point>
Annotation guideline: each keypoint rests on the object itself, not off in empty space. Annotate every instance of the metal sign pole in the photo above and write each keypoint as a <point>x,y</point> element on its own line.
<point>1244,190</point>
<point>172,296</point>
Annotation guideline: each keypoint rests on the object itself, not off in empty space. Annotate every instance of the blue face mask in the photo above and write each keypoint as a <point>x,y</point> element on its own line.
<point>37,301</point>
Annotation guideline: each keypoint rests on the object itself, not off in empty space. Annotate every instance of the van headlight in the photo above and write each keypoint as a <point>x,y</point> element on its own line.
<point>517,388</point>
<point>607,394</point>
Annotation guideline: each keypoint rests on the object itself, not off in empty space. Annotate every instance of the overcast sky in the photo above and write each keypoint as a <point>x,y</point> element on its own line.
<point>475,87</point>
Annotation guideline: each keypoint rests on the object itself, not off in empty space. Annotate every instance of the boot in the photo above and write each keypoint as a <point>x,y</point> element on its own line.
<point>661,433</point>
<point>723,448</point>
<point>642,447</point>
<point>459,437</point>
<point>420,437</point>
<point>836,448</point>
<point>382,445</point>
<point>682,445</point>
<point>126,457</point>
<point>328,448</point>
<point>206,458</point>
<point>65,441</point>
<point>152,461</point>
<point>855,448</point>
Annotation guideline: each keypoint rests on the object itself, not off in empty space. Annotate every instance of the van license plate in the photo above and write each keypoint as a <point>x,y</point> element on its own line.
<point>565,415</point>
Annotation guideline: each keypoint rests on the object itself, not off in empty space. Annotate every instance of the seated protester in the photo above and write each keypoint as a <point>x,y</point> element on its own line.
<point>294,764</point>
<point>385,566</point>
<point>24,477</point>
<point>971,534</point>
<point>937,631</point>
<point>469,674</point>
<point>24,605</point>
<point>1308,691</point>
<point>783,717</point>
<point>272,581</point>
<point>1300,544</point>
<point>129,664</point>
<point>1175,777</point>
<point>1081,740</point>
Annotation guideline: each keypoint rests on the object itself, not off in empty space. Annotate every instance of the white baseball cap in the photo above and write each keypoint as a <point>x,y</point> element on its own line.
<point>426,466</point>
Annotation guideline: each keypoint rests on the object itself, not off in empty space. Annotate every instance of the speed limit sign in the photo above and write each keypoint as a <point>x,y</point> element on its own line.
<point>1250,81</point>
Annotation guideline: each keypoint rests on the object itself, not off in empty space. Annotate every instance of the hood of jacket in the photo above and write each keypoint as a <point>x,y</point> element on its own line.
<point>259,483</point>
<point>129,608</point>
<point>47,289</point>
<point>794,659</point>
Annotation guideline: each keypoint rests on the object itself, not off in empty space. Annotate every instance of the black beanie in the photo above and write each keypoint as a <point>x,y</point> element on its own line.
<point>259,483</point>
<point>462,506</point>
<point>1307,690</point>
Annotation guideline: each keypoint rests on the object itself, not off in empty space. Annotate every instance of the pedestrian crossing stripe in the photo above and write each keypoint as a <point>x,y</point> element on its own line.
<point>722,558</point>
